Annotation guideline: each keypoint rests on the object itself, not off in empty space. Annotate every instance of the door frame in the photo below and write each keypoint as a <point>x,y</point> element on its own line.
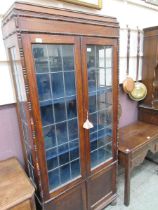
<point>27,41</point>
<point>109,42</point>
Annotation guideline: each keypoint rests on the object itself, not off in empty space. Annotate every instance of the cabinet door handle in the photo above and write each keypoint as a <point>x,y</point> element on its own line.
<point>87,124</point>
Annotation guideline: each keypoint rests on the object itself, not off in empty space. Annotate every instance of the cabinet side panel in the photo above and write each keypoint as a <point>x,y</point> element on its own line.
<point>15,54</point>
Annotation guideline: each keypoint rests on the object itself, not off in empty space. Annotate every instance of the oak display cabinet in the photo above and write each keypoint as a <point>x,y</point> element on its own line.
<point>65,70</point>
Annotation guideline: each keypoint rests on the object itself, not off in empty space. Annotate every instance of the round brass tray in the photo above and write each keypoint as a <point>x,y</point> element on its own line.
<point>139,92</point>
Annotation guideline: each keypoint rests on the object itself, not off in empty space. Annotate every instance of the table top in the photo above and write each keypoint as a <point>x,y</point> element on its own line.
<point>15,186</point>
<point>135,135</point>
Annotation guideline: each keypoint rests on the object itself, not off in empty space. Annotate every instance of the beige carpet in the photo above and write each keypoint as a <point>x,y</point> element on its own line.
<point>144,188</point>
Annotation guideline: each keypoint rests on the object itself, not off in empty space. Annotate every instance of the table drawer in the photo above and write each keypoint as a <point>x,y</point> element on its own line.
<point>138,159</point>
<point>139,151</point>
<point>139,155</point>
<point>152,146</point>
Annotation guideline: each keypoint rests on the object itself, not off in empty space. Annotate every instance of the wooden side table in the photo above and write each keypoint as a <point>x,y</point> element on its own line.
<point>135,140</point>
<point>16,191</point>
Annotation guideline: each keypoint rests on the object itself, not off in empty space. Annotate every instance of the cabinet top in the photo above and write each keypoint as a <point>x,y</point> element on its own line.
<point>15,186</point>
<point>30,7</point>
<point>36,18</point>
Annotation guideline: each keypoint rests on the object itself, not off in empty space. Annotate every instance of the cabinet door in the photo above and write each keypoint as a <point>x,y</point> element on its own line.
<point>55,85</point>
<point>99,58</point>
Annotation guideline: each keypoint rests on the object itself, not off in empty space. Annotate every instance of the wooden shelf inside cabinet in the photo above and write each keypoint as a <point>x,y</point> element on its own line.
<point>67,74</point>
<point>16,190</point>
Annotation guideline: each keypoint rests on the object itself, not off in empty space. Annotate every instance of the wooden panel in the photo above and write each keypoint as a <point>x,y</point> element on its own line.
<point>99,187</point>
<point>74,199</point>
<point>149,64</point>
<point>62,27</point>
<point>9,28</point>
<point>148,115</point>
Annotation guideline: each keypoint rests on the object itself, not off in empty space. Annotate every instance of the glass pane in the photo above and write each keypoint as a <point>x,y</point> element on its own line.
<point>57,85</point>
<point>52,160</point>
<point>49,136</point>
<point>71,108</point>
<point>108,53</point>
<point>69,83</point>
<point>65,173</point>
<point>100,56</point>
<point>43,85</point>
<point>99,62</point>
<point>47,115</point>
<point>109,77</point>
<point>54,178</point>
<point>75,168</point>
<point>61,132</point>
<point>101,80</point>
<point>59,109</point>
<point>92,80</point>
<point>74,149</point>
<point>93,118</point>
<point>26,133</point>
<point>104,100</point>
<point>90,56</point>
<point>55,60</point>
<point>104,137</point>
<point>93,141</point>
<point>55,75</point>
<point>92,104</point>
<point>73,129</point>
<point>64,154</point>
<point>41,58</point>
<point>68,57</point>
<point>105,117</point>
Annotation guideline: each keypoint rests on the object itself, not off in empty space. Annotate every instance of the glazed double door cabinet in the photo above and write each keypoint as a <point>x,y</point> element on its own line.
<point>65,71</point>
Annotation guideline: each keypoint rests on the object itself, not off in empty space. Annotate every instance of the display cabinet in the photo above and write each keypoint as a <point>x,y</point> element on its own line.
<point>65,70</point>
<point>148,109</point>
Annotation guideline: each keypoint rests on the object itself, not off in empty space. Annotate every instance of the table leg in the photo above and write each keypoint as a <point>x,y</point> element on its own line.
<point>127,180</point>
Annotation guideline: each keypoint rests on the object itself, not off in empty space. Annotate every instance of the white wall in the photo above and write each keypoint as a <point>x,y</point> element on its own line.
<point>135,13</point>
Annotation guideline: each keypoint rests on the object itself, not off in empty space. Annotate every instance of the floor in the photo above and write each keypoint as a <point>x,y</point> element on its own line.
<point>144,188</point>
